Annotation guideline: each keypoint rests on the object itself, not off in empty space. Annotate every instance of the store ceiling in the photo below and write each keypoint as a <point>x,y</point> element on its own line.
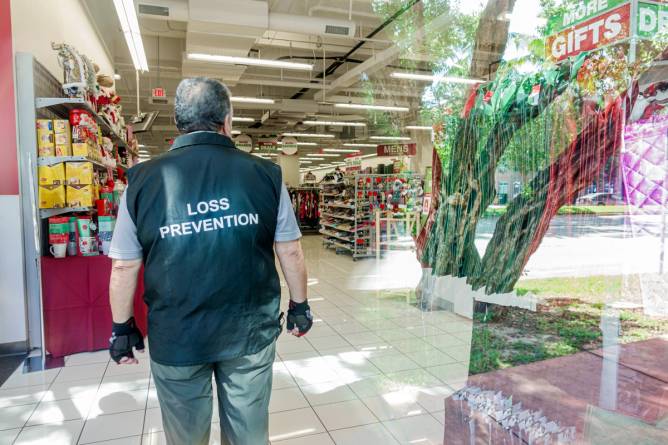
<point>289,30</point>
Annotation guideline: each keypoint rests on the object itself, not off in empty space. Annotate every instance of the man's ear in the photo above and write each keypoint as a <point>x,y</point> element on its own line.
<point>227,126</point>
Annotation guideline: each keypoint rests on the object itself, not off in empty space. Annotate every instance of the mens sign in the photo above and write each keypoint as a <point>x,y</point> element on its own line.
<point>605,29</point>
<point>397,150</point>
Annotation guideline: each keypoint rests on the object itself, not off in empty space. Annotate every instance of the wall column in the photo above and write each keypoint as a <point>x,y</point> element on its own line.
<point>290,167</point>
<point>12,282</point>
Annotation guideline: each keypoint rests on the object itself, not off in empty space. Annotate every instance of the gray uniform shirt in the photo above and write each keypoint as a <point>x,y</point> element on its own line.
<point>125,245</point>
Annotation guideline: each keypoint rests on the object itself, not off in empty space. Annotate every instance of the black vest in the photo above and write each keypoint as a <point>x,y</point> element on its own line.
<point>206,216</point>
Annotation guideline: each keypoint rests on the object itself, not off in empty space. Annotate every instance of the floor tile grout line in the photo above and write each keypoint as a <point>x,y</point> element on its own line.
<point>37,404</point>
<point>94,399</point>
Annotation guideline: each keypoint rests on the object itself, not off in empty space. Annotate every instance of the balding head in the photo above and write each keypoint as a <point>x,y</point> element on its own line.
<point>202,104</point>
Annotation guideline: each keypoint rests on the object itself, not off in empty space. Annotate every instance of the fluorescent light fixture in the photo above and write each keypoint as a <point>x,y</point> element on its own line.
<point>340,150</point>
<point>359,145</point>
<point>311,159</point>
<point>306,162</point>
<point>390,138</point>
<point>418,127</point>
<point>323,155</point>
<point>242,119</point>
<point>117,77</point>
<point>141,145</point>
<point>252,100</point>
<point>336,124</point>
<point>308,135</point>
<point>432,78</point>
<point>236,132</point>
<point>372,155</point>
<point>127,16</point>
<point>251,61</point>
<point>373,107</point>
<point>311,144</point>
<point>339,163</point>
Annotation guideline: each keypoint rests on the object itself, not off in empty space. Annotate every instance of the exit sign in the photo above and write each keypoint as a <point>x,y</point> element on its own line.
<point>158,92</point>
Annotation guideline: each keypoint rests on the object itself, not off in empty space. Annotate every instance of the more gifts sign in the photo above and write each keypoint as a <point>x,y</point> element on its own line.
<point>592,24</point>
<point>396,150</point>
<point>587,26</point>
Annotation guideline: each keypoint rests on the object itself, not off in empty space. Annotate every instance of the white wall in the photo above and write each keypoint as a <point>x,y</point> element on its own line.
<point>12,293</point>
<point>37,23</point>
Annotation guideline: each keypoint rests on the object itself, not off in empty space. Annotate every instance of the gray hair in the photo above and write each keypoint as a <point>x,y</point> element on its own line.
<point>201,104</point>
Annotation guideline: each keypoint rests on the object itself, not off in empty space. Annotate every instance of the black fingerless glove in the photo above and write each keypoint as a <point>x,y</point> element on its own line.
<point>124,337</point>
<point>299,315</point>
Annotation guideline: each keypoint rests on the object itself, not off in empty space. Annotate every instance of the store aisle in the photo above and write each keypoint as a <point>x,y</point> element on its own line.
<point>373,370</point>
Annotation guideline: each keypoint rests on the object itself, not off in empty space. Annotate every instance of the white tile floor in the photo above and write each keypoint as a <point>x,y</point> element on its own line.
<point>373,370</point>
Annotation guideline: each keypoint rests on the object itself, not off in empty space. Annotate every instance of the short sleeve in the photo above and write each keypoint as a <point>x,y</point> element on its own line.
<point>124,244</point>
<point>287,228</point>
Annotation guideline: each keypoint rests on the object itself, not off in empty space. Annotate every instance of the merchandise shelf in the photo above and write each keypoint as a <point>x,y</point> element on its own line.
<point>63,105</point>
<point>331,215</point>
<point>340,206</point>
<point>333,226</point>
<point>337,244</point>
<point>52,160</point>
<point>334,235</point>
<point>47,213</point>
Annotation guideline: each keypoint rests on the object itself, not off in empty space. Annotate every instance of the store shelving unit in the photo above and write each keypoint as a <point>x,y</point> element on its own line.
<point>391,199</point>
<point>39,95</point>
<point>345,220</point>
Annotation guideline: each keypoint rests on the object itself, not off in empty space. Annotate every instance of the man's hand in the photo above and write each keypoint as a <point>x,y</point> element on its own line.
<point>300,319</point>
<point>124,337</point>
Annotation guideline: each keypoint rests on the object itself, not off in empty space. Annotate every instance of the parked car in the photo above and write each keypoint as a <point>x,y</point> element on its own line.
<point>599,199</point>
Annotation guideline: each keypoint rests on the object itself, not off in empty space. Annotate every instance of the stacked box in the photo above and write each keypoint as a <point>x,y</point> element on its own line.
<point>63,137</point>
<point>80,195</point>
<point>52,196</point>
<point>51,175</point>
<point>79,173</point>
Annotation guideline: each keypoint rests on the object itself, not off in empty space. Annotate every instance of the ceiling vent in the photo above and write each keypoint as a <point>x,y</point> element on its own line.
<point>161,11</point>
<point>337,30</point>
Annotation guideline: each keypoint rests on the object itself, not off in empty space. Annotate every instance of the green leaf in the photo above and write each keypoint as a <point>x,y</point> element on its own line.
<point>537,48</point>
<point>577,64</point>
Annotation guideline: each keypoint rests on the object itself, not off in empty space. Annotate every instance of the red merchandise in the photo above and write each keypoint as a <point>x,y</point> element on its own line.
<point>77,315</point>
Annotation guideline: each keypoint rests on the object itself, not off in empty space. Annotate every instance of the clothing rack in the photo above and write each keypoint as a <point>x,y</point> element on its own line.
<point>305,201</point>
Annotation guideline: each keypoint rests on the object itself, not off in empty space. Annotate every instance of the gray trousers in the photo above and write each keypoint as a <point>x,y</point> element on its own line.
<point>244,387</point>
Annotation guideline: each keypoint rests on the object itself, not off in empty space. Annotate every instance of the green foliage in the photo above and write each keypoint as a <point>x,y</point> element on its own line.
<point>601,286</point>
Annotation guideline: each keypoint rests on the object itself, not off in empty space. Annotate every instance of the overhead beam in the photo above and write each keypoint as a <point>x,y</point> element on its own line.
<point>381,59</point>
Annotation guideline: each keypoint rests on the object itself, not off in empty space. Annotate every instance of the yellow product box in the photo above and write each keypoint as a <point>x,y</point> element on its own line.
<point>47,151</point>
<point>80,149</point>
<point>52,196</point>
<point>79,173</point>
<point>51,175</point>
<point>63,150</point>
<point>80,196</point>
<point>45,141</point>
<point>62,139</point>
<point>61,126</point>
<point>44,125</point>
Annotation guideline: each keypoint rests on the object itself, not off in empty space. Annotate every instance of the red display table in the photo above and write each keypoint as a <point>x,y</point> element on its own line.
<point>77,315</point>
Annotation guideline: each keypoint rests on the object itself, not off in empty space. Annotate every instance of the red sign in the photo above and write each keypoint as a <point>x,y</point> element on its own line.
<point>397,150</point>
<point>158,92</point>
<point>609,27</point>
<point>9,167</point>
